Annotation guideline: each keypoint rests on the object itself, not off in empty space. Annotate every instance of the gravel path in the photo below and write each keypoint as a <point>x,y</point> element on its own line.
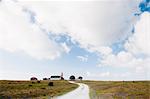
<point>82,92</point>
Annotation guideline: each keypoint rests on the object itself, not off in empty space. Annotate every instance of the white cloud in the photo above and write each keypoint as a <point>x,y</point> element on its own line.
<point>122,59</point>
<point>102,74</point>
<point>91,23</point>
<point>125,60</point>
<point>123,75</point>
<point>65,47</point>
<point>139,42</point>
<point>83,58</point>
<point>111,75</point>
<point>104,50</point>
<point>18,34</point>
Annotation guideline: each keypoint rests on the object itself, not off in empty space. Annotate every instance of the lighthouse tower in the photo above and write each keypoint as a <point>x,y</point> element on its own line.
<point>62,78</point>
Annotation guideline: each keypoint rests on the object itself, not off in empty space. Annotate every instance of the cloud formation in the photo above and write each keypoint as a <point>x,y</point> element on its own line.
<point>138,43</point>
<point>83,58</point>
<point>35,27</point>
<point>87,23</point>
<point>91,23</point>
<point>137,48</point>
<point>19,34</point>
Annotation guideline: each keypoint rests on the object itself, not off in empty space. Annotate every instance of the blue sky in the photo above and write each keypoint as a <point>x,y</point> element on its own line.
<point>81,38</point>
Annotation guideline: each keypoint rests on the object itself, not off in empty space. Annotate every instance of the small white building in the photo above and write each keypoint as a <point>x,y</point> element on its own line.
<point>55,78</point>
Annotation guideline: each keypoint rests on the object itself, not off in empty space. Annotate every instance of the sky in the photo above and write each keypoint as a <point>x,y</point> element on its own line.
<point>96,39</point>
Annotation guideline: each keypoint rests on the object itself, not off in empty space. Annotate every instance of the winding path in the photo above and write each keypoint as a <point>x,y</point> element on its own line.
<point>82,92</point>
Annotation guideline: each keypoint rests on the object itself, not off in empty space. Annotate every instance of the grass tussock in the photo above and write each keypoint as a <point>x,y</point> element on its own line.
<point>29,89</point>
<point>119,89</point>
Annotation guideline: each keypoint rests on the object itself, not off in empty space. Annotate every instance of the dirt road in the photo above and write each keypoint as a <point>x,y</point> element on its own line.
<point>82,92</point>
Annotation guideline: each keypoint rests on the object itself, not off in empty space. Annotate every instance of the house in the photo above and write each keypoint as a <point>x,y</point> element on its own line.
<point>55,78</point>
<point>33,78</point>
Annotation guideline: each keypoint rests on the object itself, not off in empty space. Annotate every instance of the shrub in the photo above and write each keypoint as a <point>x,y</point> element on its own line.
<point>50,84</point>
<point>72,77</point>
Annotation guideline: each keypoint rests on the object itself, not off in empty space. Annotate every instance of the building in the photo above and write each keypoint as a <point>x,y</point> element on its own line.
<point>55,78</point>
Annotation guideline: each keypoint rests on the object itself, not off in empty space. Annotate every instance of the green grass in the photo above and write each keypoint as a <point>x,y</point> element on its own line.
<point>22,89</point>
<point>119,89</point>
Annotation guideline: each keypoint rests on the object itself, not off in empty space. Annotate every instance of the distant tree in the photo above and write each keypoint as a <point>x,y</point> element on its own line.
<point>33,78</point>
<point>72,77</point>
<point>45,79</point>
<point>80,78</point>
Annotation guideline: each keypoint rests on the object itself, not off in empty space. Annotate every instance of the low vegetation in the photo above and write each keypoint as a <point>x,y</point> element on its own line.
<point>32,89</point>
<point>119,89</point>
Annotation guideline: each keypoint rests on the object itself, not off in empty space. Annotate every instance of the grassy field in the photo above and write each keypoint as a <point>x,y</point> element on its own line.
<point>28,89</point>
<point>119,89</point>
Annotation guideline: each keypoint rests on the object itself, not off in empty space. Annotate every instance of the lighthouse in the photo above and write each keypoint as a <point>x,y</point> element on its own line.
<point>62,78</point>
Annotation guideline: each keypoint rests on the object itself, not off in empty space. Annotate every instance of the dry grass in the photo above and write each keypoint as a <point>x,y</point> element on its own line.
<point>119,89</point>
<point>27,89</point>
